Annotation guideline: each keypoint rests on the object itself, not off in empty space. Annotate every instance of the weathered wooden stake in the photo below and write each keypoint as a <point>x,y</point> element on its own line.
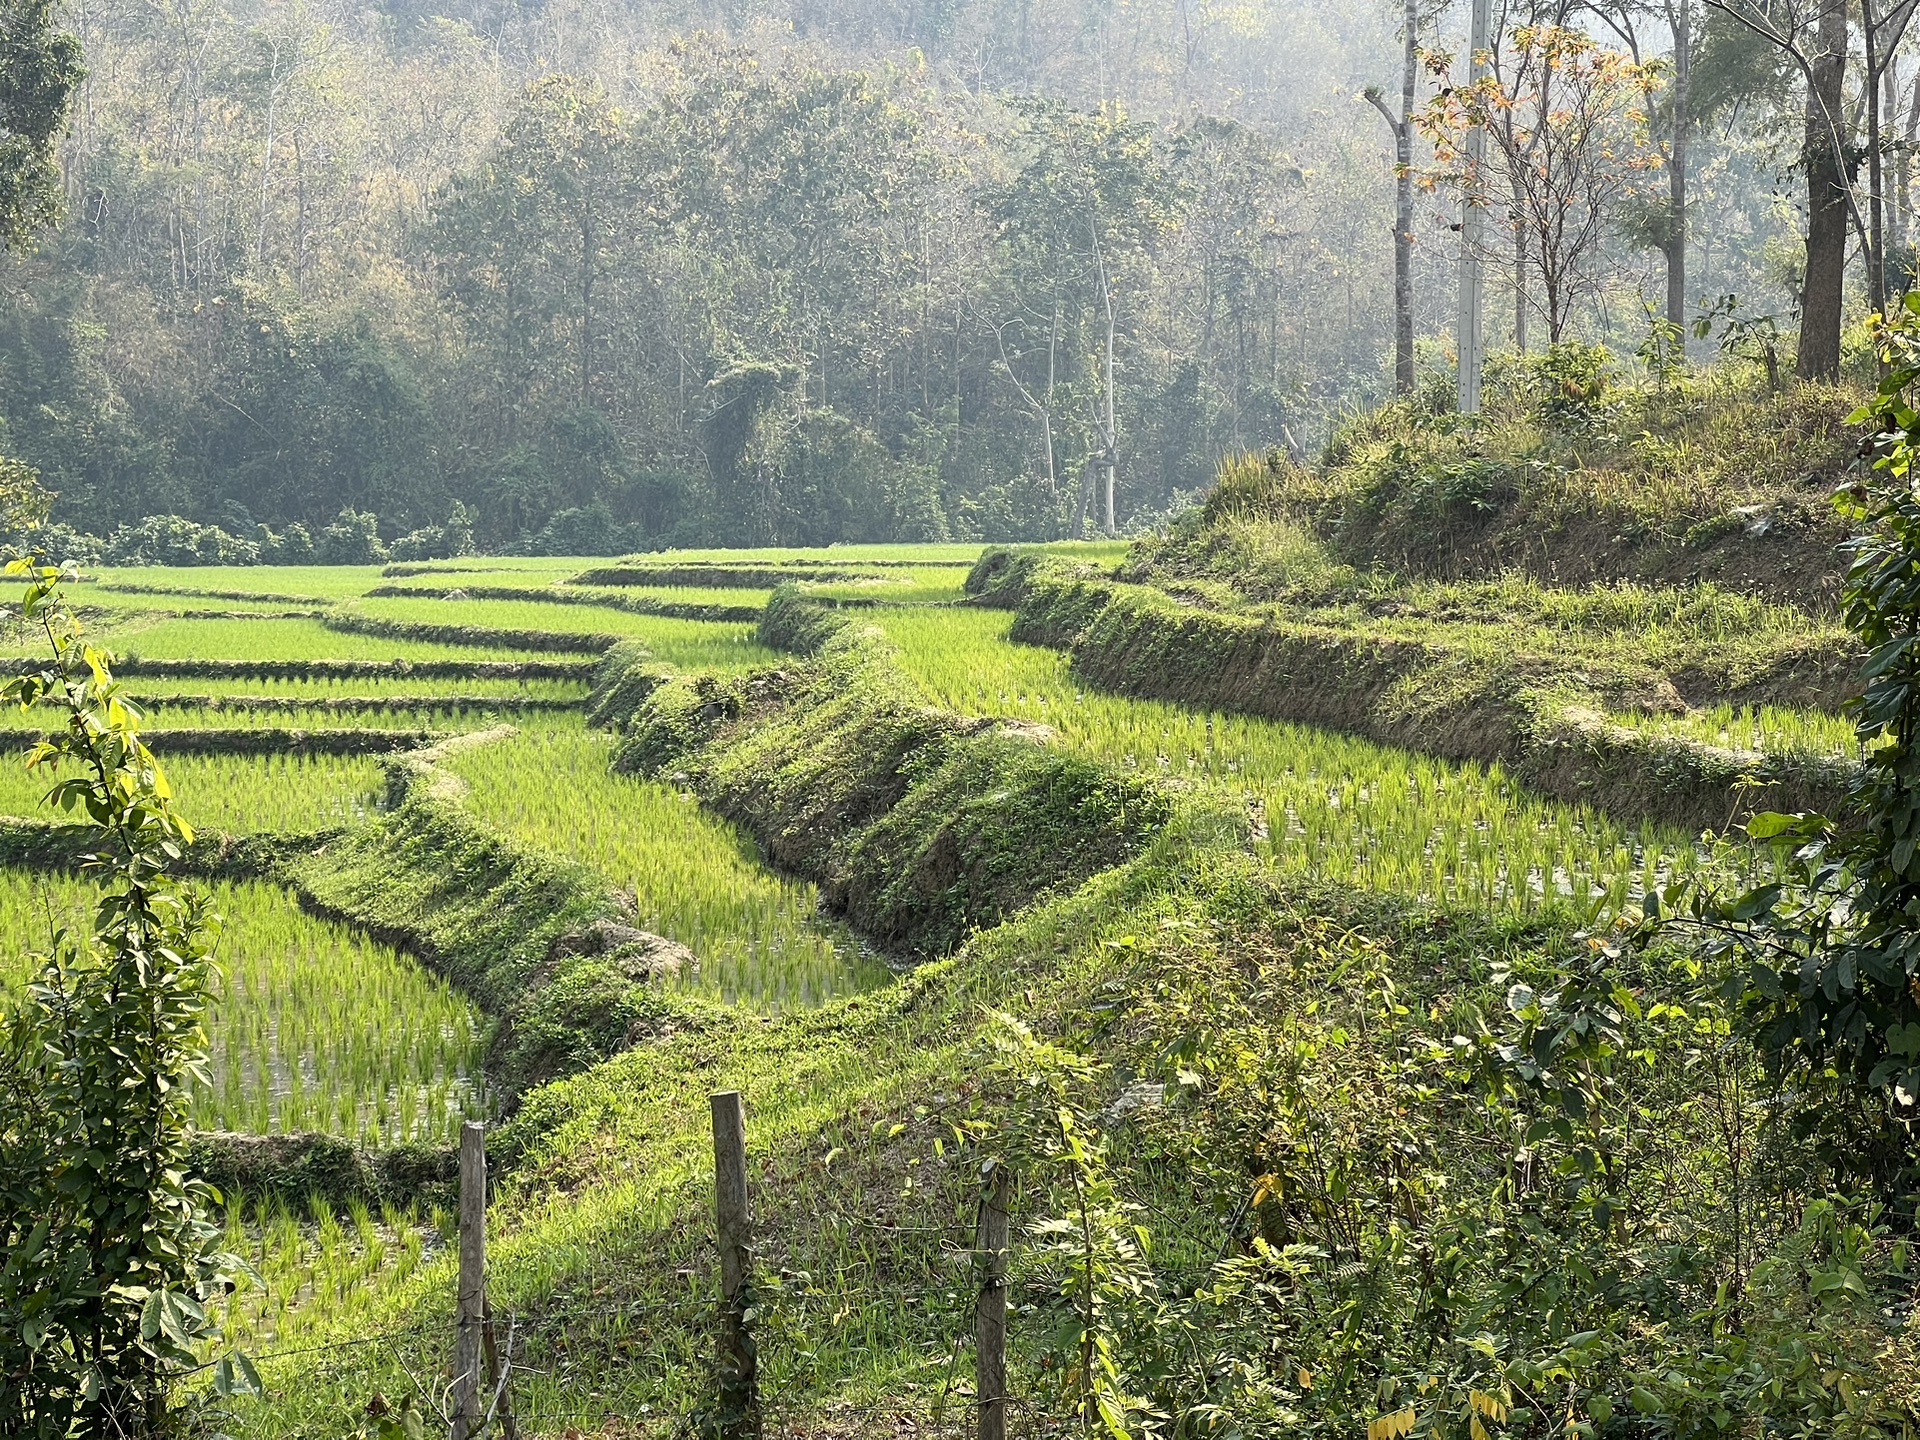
<point>471,1300</point>
<point>739,1365</point>
<point>990,1312</point>
<point>499,1375</point>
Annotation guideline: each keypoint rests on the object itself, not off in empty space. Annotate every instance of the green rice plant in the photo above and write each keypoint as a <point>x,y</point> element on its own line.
<point>310,1261</point>
<point>340,687</point>
<point>324,581</point>
<point>901,585</point>
<point>1768,729</point>
<point>437,586</point>
<point>1322,803</point>
<point>315,1027</point>
<point>143,638</point>
<point>921,554</point>
<point>397,712</point>
<point>684,644</point>
<point>498,569</point>
<point>758,937</point>
<point>242,794</point>
<point>175,602</point>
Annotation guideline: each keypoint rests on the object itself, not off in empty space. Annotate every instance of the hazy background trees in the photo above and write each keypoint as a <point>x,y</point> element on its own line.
<point>619,275</point>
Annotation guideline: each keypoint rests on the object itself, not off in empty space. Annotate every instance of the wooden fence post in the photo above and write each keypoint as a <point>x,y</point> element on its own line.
<point>739,1379</point>
<point>471,1300</point>
<point>990,1311</point>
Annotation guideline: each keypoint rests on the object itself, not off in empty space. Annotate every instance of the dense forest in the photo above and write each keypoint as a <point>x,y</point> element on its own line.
<point>583,276</point>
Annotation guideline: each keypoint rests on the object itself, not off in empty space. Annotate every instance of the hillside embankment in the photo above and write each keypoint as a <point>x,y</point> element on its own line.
<point>1572,478</point>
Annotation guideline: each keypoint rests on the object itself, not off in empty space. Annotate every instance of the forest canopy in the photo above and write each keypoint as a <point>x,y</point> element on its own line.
<point>578,277</point>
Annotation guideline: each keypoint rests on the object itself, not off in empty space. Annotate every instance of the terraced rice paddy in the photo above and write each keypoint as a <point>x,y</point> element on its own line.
<point>566,618</point>
<point>758,935</point>
<point>242,794</point>
<point>321,1028</point>
<point>149,638</point>
<point>315,1027</point>
<point>347,687</point>
<point>311,1261</point>
<point>904,585</point>
<point>1328,805</point>
<point>612,597</point>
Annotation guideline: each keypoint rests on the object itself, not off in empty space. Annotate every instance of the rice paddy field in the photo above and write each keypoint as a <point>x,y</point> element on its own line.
<point>565,618</point>
<point>1768,729</point>
<point>314,1027</point>
<point>241,794</point>
<point>148,638</point>
<point>1324,804</point>
<point>758,936</point>
<point>323,1028</point>
<point>319,1027</point>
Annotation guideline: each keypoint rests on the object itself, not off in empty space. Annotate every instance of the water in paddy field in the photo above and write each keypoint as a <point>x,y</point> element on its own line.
<point>759,937</point>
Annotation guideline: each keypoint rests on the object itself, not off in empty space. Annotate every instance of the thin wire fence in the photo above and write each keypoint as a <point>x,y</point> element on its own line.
<point>741,1353</point>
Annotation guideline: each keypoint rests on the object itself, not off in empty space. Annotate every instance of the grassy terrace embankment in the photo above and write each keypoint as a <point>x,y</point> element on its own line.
<point>1564,689</point>
<point>1574,479</point>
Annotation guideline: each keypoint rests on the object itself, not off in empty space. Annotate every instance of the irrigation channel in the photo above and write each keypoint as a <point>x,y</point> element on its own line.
<point>321,1028</point>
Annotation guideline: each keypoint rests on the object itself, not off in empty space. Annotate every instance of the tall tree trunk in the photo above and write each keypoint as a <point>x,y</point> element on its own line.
<point>1403,210</point>
<point>1109,427</point>
<point>1681,15</point>
<point>1821,289</point>
<point>1876,205</point>
<point>1902,235</point>
<point>1519,289</point>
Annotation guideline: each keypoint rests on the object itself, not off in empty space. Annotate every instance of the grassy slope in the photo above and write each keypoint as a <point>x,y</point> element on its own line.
<point>1438,584</point>
<point>1709,479</point>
